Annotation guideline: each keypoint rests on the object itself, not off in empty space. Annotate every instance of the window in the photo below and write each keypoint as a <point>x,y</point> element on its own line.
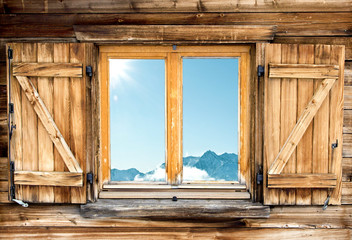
<point>174,117</point>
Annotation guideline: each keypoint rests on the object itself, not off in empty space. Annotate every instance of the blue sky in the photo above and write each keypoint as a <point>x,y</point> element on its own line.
<point>137,110</point>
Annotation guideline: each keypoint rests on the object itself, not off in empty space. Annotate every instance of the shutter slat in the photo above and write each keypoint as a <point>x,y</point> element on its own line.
<point>36,178</point>
<point>47,69</point>
<point>303,71</point>
<point>302,180</point>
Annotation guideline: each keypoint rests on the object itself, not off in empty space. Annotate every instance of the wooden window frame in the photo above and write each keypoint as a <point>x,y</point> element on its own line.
<point>173,108</point>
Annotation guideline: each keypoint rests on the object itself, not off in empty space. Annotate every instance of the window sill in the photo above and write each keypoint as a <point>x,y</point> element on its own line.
<point>181,209</point>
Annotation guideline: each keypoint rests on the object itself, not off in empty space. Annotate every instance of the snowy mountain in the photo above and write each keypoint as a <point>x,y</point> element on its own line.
<point>210,165</point>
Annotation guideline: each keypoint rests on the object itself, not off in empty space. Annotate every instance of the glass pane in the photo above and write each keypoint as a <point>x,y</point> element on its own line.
<point>137,119</point>
<point>210,119</point>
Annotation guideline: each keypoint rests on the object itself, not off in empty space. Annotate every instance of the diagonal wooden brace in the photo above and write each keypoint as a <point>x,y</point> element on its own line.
<point>49,124</point>
<point>301,126</point>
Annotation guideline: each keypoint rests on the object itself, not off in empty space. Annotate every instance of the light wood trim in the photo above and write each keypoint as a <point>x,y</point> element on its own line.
<point>48,69</point>
<point>49,124</point>
<point>229,194</point>
<point>302,180</point>
<point>167,186</point>
<point>200,33</point>
<point>301,126</point>
<point>313,71</point>
<point>48,178</point>
<point>155,50</point>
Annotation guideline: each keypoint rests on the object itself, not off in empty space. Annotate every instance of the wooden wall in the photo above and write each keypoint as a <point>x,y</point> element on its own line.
<point>311,21</point>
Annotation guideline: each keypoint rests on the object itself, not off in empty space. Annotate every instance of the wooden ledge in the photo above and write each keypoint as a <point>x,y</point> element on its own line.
<point>168,209</point>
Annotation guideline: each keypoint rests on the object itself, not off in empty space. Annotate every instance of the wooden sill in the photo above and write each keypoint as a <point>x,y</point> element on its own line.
<point>163,191</point>
<point>180,209</point>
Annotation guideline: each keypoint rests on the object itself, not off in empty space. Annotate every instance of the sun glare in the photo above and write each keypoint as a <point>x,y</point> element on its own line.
<point>119,72</point>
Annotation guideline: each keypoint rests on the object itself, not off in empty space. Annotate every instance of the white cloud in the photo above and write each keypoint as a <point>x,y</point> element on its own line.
<point>193,173</point>
<point>120,72</point>
<point>189,174</point>
<point>115,98</point>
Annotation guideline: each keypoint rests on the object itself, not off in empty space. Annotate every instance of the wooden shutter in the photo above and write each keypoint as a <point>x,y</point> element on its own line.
<point>303,119</point>
<point>49,143</point>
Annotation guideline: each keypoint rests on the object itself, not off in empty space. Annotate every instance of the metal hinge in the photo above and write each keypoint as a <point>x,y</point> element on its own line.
<point>90,178</point>
<point>335,145</point>
<point>259,178</point>
<point>89,71</point>
<point>12,188</point>
<point>260,70</point>
<point>9,53</point>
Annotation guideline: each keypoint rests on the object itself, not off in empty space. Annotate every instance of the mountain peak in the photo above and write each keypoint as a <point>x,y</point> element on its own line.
<point>209,153</point>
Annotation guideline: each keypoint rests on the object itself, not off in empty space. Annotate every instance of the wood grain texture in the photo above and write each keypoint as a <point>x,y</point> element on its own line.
<point>46,154</point>
<point>302,124</point>
<point>153,33</point>
<point>272,93</point>
<point>181,209</point>
<point>288,119</point>
<point>304,154</point>
<point>303,71</point>
<point>17,137</point>
<point>125,6</point>
<point>78,119</point>
<point>180,194</point>
<point>49,124</point>
<point>48,179</point>
<point>336,123</point>
<point>42,69</point>
<point>29,127</point>
<point>174,160</point>
<point>321,128</point>
<point>62,105</point>
<point>287,180</point>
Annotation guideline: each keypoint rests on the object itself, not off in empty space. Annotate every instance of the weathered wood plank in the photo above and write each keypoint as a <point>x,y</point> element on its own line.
<point>336,123</point>
<point>181,209</point>
<point>304,154</point>
<point>78,119</point>
<point>347,41</point>
<point>286,180</point>
<point>312,217</point>
<point>272,93</point>
<point>3,169</point>
<point>141,6</point>
<point>321,129</point>
<point>303,71</point>
<point>29,127</point>
<point>288,116</point>
<point>42,69</point>
<point>301,126</point>
<point>348,72</point>
<point>180,194</point>
<point>46,154</point>
<point>347,145</point>
<point>4,185</point>
<point>140,33</point>
<point>49,124</point>
<point>4,197</point>
<point>347,97</point>
<point>347,121</point>
<point>48,179</point>
<point>346,169</point>
<point>179,233</point>
<point>61,104</point>
<point>346,193</point>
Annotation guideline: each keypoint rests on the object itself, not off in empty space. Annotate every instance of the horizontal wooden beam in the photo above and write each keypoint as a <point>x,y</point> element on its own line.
<point>35,178</point>
<point>303,71</point>
<point>49,124</point>
<point>181,209</point>
<point>143,6</point>
<point>48,69</point>
<point>154,33</point>
<point>301,126</point>
<point>301,180</point>
<point>181,194</point>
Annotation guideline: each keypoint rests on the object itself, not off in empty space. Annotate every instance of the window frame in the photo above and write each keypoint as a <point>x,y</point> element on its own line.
<point>173,110</point>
